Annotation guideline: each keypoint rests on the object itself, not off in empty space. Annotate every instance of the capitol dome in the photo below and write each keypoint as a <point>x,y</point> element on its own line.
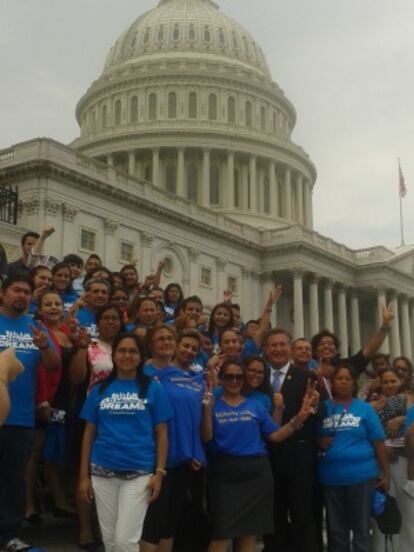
<point>196,27</point>
<point>186,101</point>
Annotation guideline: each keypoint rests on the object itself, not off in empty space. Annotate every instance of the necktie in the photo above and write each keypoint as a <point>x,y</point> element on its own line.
<point>276,381</point>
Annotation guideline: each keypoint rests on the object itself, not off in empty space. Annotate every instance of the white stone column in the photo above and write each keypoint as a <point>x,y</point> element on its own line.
<point>287,192</point>
<point>313,306</point>
<point>328,306</point>
<point>110,159</point>
<point>205,191</point>
<point>156,166</point>
<point>299,326</point>
<point>395,341</point>
<point>307,204</point>
<point>299,198</point>
<point>273,188</point>
<point>229,190</point>
<point>253,184</point>
<point>405,328</point>
<point>343,323</point>
<point>131,162</point>
<point>180,172</point>
<point>355,325</point>
<point>382,302</point>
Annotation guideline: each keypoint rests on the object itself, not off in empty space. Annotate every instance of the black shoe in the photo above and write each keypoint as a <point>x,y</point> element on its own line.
<point>34,519</point>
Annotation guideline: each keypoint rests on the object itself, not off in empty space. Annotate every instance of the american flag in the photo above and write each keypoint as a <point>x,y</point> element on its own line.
<point>401,179</point>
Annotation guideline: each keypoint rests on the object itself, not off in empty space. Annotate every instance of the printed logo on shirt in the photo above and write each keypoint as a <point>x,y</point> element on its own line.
<point>17,340</point>
<point>187,383</point>
<point>121,403</point>
<point>232,417</point>
<point>340,422</point>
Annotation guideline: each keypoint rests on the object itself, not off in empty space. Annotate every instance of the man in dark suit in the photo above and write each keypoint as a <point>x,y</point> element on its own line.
<point>293,461</point>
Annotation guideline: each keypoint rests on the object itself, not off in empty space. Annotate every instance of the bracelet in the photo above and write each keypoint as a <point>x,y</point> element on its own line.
<point>160,470</point>
<point>6,383</point>
<point>385,329</point>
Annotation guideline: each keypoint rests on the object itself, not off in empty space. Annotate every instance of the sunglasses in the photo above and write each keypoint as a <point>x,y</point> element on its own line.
<point>232,377</point>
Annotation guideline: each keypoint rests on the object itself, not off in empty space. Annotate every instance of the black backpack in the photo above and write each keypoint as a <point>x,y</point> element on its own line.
<point>389,522</point>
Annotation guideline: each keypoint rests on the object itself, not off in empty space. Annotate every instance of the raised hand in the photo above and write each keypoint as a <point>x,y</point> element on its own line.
<point>387,315</point>
<point>39,291</point>
<point>48,231</point>
<point>39,338</point>
<point>208,397</point>
<point>227,295</point>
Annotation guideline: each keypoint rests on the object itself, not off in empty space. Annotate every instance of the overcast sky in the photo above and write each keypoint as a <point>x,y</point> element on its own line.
<point>347,66</point>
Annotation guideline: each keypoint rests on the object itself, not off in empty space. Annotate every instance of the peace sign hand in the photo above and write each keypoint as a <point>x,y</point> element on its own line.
<point>39,338</point>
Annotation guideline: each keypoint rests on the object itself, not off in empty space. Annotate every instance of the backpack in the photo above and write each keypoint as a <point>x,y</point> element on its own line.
<point>389,522</point>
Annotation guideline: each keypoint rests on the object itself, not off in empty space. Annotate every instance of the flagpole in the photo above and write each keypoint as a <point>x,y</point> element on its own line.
<point>400,194</point>
<point>401,223</point>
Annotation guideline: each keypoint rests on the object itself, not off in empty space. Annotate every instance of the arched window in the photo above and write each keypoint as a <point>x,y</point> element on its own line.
<point>266,195</point>
<point>103,116</point>
<point>249,114</point>
<point>221,37</point>
<point>274,123</point>
<point>237,195</point>
<point>234,40</point>
<point>263,118</point>
<point>214,185</point>
<point>192,105</point>
<point>192,182</point>
<point>160,35</point>
<point>172,105</point>
<point>134,109</point>
<point>207,33</point>
<point>146,36</point>
<point>176,32</point>
<point>231,110</point>
<point>118,109</point>
<point>170,177</point>
<point>212,107</point>
<point>152,106</point>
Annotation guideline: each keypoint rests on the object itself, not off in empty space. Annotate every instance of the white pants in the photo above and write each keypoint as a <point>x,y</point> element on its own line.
<point>404,542</point>
<point>121,506</point>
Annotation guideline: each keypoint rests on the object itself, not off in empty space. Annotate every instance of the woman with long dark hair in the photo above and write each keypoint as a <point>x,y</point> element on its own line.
<point>124,446</point>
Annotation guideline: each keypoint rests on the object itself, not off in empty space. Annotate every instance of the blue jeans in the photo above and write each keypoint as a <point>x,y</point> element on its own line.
<point>16,444</point>
<point>348,509</point>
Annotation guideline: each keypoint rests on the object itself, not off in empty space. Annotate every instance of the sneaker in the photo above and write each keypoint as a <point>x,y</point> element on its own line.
<point>409,488</point>
<point>16,545</point>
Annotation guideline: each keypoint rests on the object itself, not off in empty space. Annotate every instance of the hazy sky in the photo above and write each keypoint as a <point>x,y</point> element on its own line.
<point>347,66</point>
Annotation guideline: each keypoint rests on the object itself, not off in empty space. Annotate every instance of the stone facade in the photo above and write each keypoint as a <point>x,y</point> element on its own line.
<point>185,153</point>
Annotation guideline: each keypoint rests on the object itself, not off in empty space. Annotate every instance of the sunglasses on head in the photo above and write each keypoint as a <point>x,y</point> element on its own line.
<point>232,377</point>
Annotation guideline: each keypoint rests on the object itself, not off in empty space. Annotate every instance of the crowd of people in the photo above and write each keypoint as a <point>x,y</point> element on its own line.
<point>187,430</point>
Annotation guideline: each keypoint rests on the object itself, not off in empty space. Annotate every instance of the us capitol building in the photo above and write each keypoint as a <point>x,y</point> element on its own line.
<point>185,154</point>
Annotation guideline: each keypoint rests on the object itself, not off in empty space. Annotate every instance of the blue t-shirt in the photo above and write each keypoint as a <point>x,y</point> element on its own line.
<point>409,419</point>
<point>125,437</point>
<point>255,395</point>
<point>351,458</point>
<point>16,333</point>
<point>185,392</point>
<point>68,300</point>
<point>199,364</point>
<point>250,348</point>
<point>239,430</point>
<point>86,319</point>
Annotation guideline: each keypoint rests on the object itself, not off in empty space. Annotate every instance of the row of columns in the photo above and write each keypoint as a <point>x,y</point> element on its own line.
<point>290,194</point>
<point>400,340</point>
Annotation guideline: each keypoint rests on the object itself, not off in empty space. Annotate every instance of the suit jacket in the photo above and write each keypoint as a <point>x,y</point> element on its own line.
<point>298,452</point>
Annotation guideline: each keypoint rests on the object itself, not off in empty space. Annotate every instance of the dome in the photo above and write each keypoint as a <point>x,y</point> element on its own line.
<point>194,27</point>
